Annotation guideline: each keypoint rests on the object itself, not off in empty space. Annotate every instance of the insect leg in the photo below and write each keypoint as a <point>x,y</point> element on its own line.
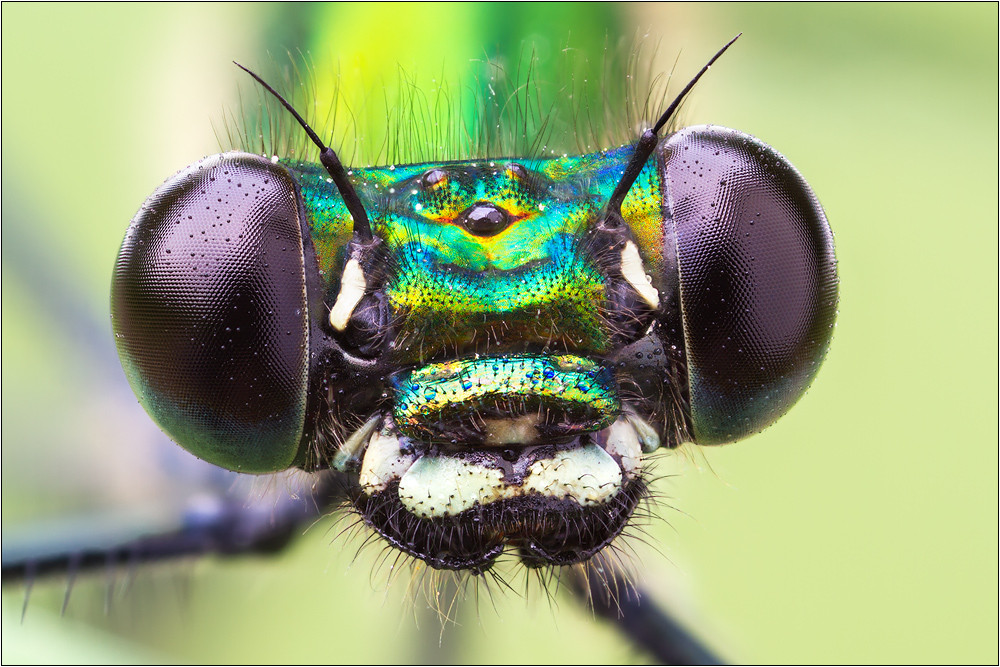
<point>223,526</point>
<point>612,597</point>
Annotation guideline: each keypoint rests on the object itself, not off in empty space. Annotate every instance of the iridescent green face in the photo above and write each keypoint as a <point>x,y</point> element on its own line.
<point>500,308</point>
<point>493,360</point>
<point>491,254</point>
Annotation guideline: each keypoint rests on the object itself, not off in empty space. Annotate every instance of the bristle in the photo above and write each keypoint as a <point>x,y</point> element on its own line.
<point>612,569</point>
<point>29,583</point>
<point>74,566</point>
<point>502,110</point>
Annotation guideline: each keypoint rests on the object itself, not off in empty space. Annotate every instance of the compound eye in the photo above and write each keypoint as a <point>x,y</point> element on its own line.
<point>758,279</point>
<point>208,307</point>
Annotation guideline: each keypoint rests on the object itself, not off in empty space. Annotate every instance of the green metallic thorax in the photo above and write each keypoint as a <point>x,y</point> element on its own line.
<point>531,283</point>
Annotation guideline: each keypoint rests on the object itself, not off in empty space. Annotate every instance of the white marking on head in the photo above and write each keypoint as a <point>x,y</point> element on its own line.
<point>352,288</point>
<point>438,486</point>
<point>635,274</point>
<point>623,442</point>
<point>352,447</point>
<point>648,437</point>
<point>383,463</point>
<point>587,475</point>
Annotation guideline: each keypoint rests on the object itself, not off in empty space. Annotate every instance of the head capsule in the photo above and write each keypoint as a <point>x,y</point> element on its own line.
<point>210,312</point>
<point>756,278</point>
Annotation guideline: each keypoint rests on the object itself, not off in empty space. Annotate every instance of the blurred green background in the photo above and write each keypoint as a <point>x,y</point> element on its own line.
<point>860,528</point>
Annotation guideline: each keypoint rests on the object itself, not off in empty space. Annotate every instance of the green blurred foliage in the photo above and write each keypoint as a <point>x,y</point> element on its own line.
<point>860,528</point>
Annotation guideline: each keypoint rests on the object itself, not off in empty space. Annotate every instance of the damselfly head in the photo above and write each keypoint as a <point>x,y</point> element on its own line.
<point>495,344</point>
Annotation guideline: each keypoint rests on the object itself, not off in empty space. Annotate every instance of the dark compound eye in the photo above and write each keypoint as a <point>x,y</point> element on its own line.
<point>757,276</point>
<point>208,307</point>
<point>434,179</point>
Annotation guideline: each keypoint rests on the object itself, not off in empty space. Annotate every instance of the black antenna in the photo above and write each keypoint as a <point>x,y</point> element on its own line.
<point>329,159</point>
<point>647,142</point>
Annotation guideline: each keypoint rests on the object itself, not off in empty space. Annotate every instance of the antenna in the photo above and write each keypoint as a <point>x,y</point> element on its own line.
<point>647,142</point>
<point>329,159</point>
